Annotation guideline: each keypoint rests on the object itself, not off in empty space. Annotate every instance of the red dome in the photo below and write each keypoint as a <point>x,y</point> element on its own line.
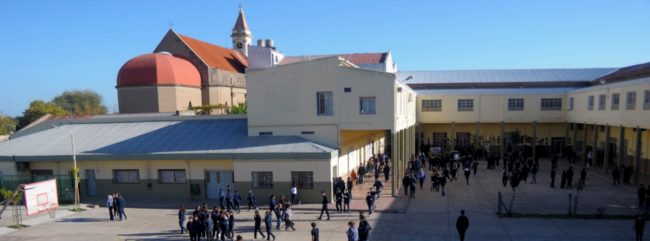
<point>158,69</point>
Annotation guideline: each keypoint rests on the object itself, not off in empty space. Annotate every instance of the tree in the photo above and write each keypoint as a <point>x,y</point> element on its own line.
<point>81,102</point>
<point>240,108</point>
<point>7,124</point>
<point>38,109</point>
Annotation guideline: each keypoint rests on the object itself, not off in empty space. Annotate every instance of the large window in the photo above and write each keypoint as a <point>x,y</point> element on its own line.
<point>590,103</point>
<point>439,139</point>
<point>303,180</point>
<point>571,103</point>
<point>630,104</point>
<point>551,104</point>
<point>262,180</point>
<point>465,105</point>
<point>171,176</point>
<point>325,103</point>
<point>515,104</point>
<point>601,102</point>
<point>616,100</point>
<point>646,100</point>
<point>367,105</point>
<point>431,105</point>
<point>126,176</point>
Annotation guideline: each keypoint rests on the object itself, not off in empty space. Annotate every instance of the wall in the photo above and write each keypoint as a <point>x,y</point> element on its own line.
<point>226,95</point>
<point>628,118</point>
<point>177,98</point>
<point>138,99</point>
<point>357,147</point>
<point>8,168</point>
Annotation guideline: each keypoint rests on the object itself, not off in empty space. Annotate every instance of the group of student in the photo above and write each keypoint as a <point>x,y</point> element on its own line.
<point>216,225</point>
<point>116,203</point>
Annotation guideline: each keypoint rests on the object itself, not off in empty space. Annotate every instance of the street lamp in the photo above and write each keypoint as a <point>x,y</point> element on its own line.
<point>75,171</point>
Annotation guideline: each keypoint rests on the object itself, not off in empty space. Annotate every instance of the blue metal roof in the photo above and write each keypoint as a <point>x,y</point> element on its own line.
<point>200,138</point>
<point>501,76</point>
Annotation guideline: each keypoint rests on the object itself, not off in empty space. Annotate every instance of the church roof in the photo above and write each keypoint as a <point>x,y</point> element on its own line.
<point>216,56</point>
<point>241,23</point>
<point>355,58</point>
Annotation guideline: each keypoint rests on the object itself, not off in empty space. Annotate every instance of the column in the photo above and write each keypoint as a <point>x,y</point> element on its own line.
<point>477,143</point>
<point>637,155</point>
<point>566,136</point>
<point>608,150</point>
<point>584,144</point>
<point>452,135</point>
<point>503,142</point>
<point>393,157</point>
<point>594,149</point>
<point>574,141</point>
<point>621,146</point>
<point>534,140</point>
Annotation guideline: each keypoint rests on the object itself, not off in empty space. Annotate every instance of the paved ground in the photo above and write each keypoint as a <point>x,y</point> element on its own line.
<point>429,216</point>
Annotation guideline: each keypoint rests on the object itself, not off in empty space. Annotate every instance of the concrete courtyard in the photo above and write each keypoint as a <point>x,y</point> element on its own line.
<point>429,216</point>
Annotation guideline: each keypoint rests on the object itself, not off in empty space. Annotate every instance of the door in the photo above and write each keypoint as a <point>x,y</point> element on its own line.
<point>557,145</point>
<point>217,180</point>
<point>90,183</point>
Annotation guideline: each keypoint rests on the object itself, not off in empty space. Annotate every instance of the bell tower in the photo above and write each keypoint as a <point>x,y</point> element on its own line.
<point>241,35</point>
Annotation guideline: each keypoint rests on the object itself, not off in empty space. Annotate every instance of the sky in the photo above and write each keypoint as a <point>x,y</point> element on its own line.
<point>52,46</point>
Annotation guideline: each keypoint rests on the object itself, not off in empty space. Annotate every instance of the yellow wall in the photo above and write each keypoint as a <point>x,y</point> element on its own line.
<point>356,148</point>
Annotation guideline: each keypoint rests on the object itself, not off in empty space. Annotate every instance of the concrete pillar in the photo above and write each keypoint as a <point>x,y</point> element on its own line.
<point>476,136</point>
<point>566,135</point>
<point>534,140</point>
<point>583,159</point>
<point>394,165</point>
<point>503,142</point>
<point>594,149</point>
<point>574,140</point>
<point>453,135</point>
<point>622,152</point>
<point>608,150</point>
<point>637,155</point>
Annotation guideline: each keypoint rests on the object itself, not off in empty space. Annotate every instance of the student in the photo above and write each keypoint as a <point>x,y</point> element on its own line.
<point>294,193</point>
<point>364,228</point>
<point>231,224</point>
<point>462,223</point>
<point>352,233</point>
<point>109,204</point>
<point>339,201</point>
<point>349,186</point>
<point>268,221</point>
<point>258,225</point>
<point>346,201</point>
<point>237,200</point>
<point>251,200</point>
<point>181,217</point>
<point>222,198</point>
<point>370,201</point>
<point>314,232</point>
<point>190,229</point>
<point>209,226</point>
<point>216,229</point>
<point>639,226</point>
<point>288,217</point>
<point>121,202</point>
<point>324,207</point>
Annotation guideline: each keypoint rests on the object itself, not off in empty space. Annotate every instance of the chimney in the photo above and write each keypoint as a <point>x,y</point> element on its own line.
<point>270,44</point>
<point>261,43</point>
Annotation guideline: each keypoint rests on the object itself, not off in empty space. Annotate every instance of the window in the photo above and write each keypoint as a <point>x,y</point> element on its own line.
<point>515,104</point>
<point>126,176</point>
<point>325,103</point>
<point>601,102</point>
<point>439,139</point>
<point>551,104</point>
<point>465,105</point>
<point>303,180</point>
<point>262,180</point>
<point>347,89</point>
<point>571,103</point>
<point>630,104</point>
<point>171,176</point>
<point>590,103</point>
<point>431,105</point>
<point>265,133</point>
<point>616,100</point>
<point>307,132</point>
<point>367,105</point>
<point>646,100</point>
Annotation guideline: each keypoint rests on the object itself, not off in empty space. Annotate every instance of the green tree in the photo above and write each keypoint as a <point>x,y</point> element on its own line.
<point>81,102</point>
<point>240,108</point>
<point>7,124</point>
<point>38,109</point>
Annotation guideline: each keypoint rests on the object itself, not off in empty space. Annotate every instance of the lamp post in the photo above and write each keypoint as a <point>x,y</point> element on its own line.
<point>75,171</point>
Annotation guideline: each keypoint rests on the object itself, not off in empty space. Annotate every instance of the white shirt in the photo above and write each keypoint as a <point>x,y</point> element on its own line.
<point>294,190</point>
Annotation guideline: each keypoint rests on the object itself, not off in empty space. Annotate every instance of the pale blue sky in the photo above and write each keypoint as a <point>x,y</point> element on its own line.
<point>52,46</point>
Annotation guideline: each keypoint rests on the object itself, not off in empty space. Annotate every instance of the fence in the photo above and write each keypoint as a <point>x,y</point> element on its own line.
<point>65,184</point>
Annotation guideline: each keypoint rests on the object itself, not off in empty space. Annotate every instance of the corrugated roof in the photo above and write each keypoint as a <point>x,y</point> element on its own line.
<point>216,56</point>
<point>495,91</point>
<point>501,76</point>
<point>177,138</point>
<point>627,73</point>
<point>355,58</point>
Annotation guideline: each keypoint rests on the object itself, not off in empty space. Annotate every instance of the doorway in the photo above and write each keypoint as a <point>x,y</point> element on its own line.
<point>91,189</point>
<point>216,180</point>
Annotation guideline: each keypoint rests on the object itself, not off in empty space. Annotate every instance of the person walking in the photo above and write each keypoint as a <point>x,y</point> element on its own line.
<point>209,227</point>
<point>258,225</point>
<point>553,172</point>
<point>294,193</point>
<point>268,221</point>
<point>251,200</point>
<point>370,201</point>
<point>237,201</point>
<point>324,208</point>
<point>442,180</point>
<point>288,219</point>
<point>190,229</point>
<point>109,204</point>
<point>347,196</point>
<point>181,217</point>
<point>339,201</point>
<point>583,177</point>
<point>475,167</point>
<point>352,233</point>
<point>231,224</point>
<point>462,223</point>
<point>348,186</point>
<point>386,172</point>
<point>364,228</point>
<point>406,182</point>
<point>466,172</point>
<point>121,203</point>
<point>616,175</point>
<point>639,226</point>
<point>641,193</point>
<point>315,233</point>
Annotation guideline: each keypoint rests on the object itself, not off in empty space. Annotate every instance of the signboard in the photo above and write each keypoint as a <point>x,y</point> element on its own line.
<point>41,196</point>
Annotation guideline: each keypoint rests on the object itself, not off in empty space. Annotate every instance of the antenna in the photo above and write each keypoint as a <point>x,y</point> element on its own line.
<point>171,25</point>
